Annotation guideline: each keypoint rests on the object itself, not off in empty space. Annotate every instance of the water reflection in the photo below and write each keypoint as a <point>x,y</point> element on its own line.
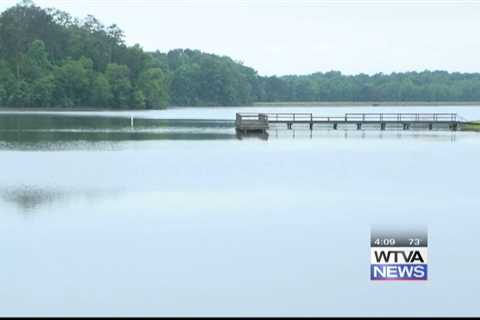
<point>72,132</point>
<point>449,136</point>
<point>22,122</point>
<point>261,135</point>
<point>73,140</point>
<point>29,198</point>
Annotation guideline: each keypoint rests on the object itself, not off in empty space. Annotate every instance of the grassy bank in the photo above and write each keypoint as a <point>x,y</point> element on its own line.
<point>472,126</point>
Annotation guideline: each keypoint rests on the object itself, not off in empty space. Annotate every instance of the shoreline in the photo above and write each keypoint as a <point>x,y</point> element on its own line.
<point>334,104</point>
<point>368,104</point>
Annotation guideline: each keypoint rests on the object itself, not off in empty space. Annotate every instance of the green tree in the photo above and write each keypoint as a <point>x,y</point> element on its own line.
<point>119,78</point>
<point>72,83</point>
<point>20,96</point>
<point>42,92</point>
<point>102,92</point>
<point>7,82</point>
<point>185,87</point>
<point>135,59</point>
<point>153,84</point>
<point>138,100</point>
<point>36,63</point>
<point>20,26</point>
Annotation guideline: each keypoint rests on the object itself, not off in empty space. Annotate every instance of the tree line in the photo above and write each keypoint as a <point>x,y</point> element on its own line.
<point>51,59</point>
<point>426,86</point>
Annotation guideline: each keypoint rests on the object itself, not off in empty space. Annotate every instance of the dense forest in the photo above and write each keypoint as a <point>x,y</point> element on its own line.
<point>50,59</point>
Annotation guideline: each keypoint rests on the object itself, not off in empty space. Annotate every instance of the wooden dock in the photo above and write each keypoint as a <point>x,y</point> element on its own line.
<point>251,123</point>
<point>261,122</point>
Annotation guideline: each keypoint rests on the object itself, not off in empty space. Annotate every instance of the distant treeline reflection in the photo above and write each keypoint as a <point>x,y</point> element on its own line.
<point>32,121</point>
<point>24,131</point>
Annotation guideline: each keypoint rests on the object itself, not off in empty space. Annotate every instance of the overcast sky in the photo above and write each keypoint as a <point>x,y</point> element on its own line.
<point>304,36</point>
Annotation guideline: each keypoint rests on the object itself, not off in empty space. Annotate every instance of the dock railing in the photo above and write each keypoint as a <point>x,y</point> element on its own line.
<point>352,117</point>
<point>401,117</point>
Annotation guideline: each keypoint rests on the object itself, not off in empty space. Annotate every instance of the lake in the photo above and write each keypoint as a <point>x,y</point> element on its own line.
<point>179,217</point>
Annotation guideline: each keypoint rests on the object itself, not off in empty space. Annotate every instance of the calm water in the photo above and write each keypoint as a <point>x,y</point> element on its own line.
<point>182,218</point>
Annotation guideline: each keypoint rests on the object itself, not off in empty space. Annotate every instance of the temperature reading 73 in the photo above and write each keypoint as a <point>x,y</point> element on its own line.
<point>415,241</point>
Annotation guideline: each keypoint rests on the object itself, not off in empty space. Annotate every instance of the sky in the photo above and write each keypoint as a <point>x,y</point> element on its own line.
<point>279,37</point>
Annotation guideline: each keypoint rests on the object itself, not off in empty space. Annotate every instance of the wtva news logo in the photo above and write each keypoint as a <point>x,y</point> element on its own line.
<point>399,255</point>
